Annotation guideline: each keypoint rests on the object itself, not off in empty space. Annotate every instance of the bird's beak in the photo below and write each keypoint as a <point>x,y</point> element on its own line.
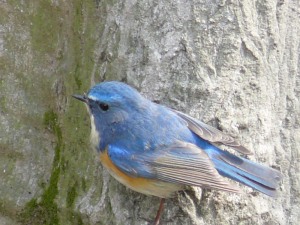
<point>82,98</point>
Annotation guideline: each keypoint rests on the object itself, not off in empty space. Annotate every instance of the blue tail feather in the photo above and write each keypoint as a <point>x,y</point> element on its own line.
<point>254,175</point>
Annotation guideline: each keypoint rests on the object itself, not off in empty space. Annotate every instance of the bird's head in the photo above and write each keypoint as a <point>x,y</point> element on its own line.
<point>112,105</point>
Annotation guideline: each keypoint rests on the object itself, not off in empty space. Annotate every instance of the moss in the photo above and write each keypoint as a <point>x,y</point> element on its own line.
<point>46,210</point>
<point>9,153</point>
<point>83,184</point>
<point>3,103</point>
<point>61,41</point>
<point>76,219</point>
<point>73,218</point>
<point>71,195</point>
<point>51,122</point>
<point>79,220</point>
<point>39,213</point>
<point>45,31</point>
<point>67,33</point>
<point>7,209</point>
<point>78,81</point>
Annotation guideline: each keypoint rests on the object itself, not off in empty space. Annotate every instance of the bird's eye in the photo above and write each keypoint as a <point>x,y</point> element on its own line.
<point>103,106</point>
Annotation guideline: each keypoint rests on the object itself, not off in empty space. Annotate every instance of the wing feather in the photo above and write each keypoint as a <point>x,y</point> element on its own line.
<point>182,163</point>
<point>211,134</point>
<point>186,164</point>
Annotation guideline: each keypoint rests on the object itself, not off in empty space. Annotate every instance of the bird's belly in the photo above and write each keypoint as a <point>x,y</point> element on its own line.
<point>146,186</point>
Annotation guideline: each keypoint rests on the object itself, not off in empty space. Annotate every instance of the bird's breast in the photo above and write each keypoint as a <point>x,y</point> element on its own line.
<point>95,135</point>
<point>139,184</point>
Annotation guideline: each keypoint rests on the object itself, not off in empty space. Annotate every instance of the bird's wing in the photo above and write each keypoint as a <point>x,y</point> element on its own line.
<point>181,163</point>
<point>211,134</point>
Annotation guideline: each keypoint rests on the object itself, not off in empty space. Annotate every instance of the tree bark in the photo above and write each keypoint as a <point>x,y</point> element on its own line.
<point>232,64</point>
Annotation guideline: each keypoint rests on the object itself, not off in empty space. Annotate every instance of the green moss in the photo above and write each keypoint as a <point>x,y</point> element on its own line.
<point>77,77</point>
<point>79,220</point>
<point>83,184</point>
<point>39,213</point>
<point>46,210</point>
<point>67,33</point>
<point>76,219</point>
<point>71,195</point>
<point>29,211</point>
<point>36,213</point>
<point>73,218</point>
<point>3,103</point>
<point>45,27</point>
<point>51,122</point>
<point>62,39</point>
<point>7,208</point>
<point>9,153</point>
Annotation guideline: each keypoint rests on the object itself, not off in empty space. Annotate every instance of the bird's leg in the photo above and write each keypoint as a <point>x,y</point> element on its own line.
<point>159,211</point>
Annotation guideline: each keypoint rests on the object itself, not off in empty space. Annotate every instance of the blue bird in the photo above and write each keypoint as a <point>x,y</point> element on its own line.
<point>156,150</point>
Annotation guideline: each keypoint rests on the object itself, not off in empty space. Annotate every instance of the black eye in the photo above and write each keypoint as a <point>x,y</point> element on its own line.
<point>103,106</point>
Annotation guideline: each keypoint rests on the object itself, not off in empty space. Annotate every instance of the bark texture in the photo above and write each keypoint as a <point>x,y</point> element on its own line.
<point>233,64</point>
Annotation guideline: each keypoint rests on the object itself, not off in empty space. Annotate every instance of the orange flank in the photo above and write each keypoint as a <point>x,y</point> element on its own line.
<point>139,184</point>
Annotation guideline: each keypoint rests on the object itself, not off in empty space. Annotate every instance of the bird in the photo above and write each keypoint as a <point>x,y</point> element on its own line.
<point>157,150</point>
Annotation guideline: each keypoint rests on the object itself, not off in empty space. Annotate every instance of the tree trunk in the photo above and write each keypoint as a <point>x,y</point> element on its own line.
<point>232,64</point>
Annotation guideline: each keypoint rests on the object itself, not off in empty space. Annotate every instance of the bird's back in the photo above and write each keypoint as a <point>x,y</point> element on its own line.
<point>154,128</point>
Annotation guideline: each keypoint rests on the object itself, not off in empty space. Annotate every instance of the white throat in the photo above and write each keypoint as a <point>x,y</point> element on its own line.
<point>95,135</point>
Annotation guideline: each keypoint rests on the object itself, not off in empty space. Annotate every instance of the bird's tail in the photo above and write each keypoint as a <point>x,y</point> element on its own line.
<point>262,178</point>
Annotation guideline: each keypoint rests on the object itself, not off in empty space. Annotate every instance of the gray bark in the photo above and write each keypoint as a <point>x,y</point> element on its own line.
<point>232,64</point>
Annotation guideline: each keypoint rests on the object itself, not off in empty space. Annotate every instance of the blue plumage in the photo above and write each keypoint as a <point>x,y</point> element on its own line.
<point>156,150</point>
